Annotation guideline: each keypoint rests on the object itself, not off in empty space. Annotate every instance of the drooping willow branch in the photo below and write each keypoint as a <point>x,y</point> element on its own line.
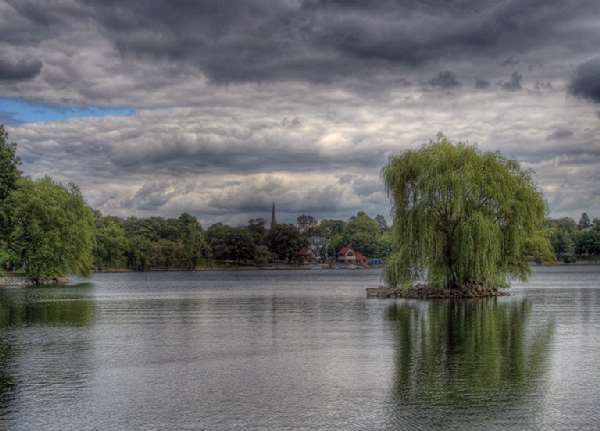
<point>462,217</point>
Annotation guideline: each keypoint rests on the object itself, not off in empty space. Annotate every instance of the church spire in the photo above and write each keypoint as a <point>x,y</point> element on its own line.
<point>273,220</point>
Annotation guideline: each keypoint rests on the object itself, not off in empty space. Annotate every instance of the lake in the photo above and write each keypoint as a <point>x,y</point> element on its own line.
<point>298,350</point>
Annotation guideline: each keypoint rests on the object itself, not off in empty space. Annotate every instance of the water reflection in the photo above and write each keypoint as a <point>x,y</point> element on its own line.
<point>47,309</point>
<point>297,350</point>
<point>7,379</point>
<point>46,306</point>
<point>452,357</point>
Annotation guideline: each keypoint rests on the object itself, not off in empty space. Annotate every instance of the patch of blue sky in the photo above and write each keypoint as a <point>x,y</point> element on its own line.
<point>14,110</point>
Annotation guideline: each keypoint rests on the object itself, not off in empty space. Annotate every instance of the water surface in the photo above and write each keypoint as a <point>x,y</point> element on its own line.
<point>291,350</point>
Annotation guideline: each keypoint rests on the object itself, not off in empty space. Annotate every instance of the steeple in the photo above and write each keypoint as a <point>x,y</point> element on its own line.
<point>273,220</point>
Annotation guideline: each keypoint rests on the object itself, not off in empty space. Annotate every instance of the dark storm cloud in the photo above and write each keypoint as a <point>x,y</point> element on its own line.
<point>586,82</point>
<point>482,84</point>
<point>250,100</point>
<point>159,44</point>
<point>19,70</point>
<point>258,40</point>
<point>513,84</point>
<point>510,61</point>
<point>543,85</point>
<point>259,196</point>
<point>28,22</point>
<point>412,32</point>
<point>180,156</point>
<point>445,79</point>
<point>560,134</point>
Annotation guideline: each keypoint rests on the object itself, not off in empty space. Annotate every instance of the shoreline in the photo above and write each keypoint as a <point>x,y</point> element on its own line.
<point>14,281</point>
<point>428,292</point>
<point>10,280</point>
<point>302,267</point>
<point>240,268</point>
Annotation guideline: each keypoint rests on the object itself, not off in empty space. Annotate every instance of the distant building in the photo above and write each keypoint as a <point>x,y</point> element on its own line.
<point>305,222</point>
<point>306,255</point>
<point>348,256</point>
<point>317,246</point>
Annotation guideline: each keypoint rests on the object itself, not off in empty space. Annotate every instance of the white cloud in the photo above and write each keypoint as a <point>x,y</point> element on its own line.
<point>299,102</point>
<point>322,158</point>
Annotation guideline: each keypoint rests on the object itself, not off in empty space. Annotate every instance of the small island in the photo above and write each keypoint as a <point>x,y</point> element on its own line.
<point>423,291</point>
<point>465,222</point>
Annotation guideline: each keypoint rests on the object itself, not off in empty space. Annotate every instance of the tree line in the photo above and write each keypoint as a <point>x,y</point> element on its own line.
<point>181,243</point>
<point>573,241</point>
<point>48,231</point>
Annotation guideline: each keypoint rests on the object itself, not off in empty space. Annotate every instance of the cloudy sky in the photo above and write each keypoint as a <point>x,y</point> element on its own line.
<point>217,108</point>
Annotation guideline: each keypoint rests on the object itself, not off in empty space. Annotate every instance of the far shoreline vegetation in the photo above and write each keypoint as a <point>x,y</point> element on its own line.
<point>47,232</point>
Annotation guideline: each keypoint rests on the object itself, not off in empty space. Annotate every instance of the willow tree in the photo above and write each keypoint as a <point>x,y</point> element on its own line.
<point>462,217</point>
<point>52,233</point>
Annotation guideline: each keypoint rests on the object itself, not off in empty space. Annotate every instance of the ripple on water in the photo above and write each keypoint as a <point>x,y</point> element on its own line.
<point>298,350</point>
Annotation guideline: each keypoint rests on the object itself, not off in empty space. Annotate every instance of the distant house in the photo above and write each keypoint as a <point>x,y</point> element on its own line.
<point>305,223</point>
<point>348,256</point>
<point>306,255</point>
<point>317,245</point>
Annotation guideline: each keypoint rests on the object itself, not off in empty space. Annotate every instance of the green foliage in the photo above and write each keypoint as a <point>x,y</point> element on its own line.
<point>566,225</point>
<point>538,247</point>
<point>233,244</point>
<point>331,228</point>
<point>4,259</point>
<point>286,241</point>
<point>382,222</point>
<point>587,243</point>
<point>385,246</point>
<point>258,230</point>
<point>369,236</point>
<point>52,230</point>
<point>140,253</point>
<point>9,162</point>
<point>562,238</point>
<point>9,174</point>
<point>111,243</point>
<point>150,243</point>
<point>262,256</point>
<point>461,216</point>
<point>192,238</point>
<point>363,234</point>
<point>571,241</point>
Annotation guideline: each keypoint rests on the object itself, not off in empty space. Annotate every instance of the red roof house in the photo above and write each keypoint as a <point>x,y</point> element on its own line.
<point>347,255</point>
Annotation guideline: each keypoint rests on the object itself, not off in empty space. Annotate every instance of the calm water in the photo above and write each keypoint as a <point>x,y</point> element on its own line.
<point>298,350</point>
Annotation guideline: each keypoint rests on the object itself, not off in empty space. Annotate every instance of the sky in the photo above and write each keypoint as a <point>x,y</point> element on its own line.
<point>218,108</point>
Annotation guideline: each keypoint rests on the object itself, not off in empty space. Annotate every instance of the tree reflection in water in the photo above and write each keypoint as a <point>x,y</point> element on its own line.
<point>66,307</point>
<point>51,306</point>
<point>7,380</point>
<point>459,360</point>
